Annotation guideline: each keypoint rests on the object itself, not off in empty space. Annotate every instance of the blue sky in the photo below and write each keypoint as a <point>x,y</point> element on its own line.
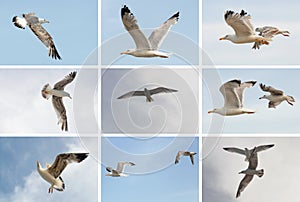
<point>282,50</point>
<point>20,180</point>
<point>168,113</point>
<point>74,33</point>
<point>150,14</point>
<point>147,181</point>
<point>283,119</point>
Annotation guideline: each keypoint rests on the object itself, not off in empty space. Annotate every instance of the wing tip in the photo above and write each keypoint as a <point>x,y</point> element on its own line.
<point>125,10</point>
<point>54,53</point>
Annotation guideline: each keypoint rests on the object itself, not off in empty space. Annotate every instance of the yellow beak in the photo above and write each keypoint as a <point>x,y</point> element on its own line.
<point>222,38</point>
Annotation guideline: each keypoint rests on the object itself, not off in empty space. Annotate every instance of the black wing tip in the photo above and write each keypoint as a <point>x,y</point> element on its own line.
<point>236,81</point>
<point>252,82</point>
<point>228,13</point>
<point>176,15</point>
<point>54,53</point>
<point>14,19</point>
<point>73,74</point>
<point>243,13</point>
<point>124,10</point>
<point>81,156</point>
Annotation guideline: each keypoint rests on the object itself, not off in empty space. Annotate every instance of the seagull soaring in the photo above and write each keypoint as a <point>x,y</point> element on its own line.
<point>245,32</point>
<point>251,157</point>
<point>119,171</point>
<point>57,94</point>
<point>147,93</point>
<point>35,24</point>
<point>233,93</point>
<point>146,47</point>
<point>185,153</point>
<point>276,96</point>
<point>52,172</point>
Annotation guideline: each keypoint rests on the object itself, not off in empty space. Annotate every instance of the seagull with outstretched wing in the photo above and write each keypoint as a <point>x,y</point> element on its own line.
<point>57,94</point>
<point>185,153</point>
<point>119,171</point>
<point>35,24</point>
<point>52,172</point>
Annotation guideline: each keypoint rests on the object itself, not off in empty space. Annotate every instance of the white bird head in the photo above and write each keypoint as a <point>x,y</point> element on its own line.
<point>227,37</point>
<point>128,52</point>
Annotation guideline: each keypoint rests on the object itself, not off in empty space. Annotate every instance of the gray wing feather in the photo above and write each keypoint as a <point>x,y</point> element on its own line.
<point>60,112</point>
<point>120,166</point>
<point>243,184</point>
<point>235,150</point>
<point>62,160</point>
<point>158,35</point>
<point>132,93</point>
<point>240,23</point>
<point>270,89</point>
<point>130,24</point>
<point>229,93</point>
<point>68,79</point>
<point>179,154</point>
<point>263,147</point>
<point>162,90</point>
<point>240,90</point>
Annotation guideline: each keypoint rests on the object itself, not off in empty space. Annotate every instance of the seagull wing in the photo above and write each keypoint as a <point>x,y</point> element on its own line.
<point>130,24</point>
<point>162,90</point>
<point>263,147</point>
<point>68,79</point>
<point>159,34</point>
<point>270,89</point>
<point>270,32</point>
<point>192,158</point>
<point>179,154</point>
<point>42,34</point>
<point>62,160</point>
<point>230,95</point>
<point>241,23</point>
<point>131,94</point>
<point>60,112</point>
<point>243,184</point>
<point>235,150</point>
<point>120,166</point>
<point>241,89</point>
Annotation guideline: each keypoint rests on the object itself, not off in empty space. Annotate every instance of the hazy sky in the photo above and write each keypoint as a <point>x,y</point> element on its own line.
<point>169,113</point>
<point>151,14</point>
<point>24,110</point>
<point>282,50</point>
<point>20,180</point>
<point>283,119</point>
<point>155,177</point>
<point>74,33</point>
<point>220,182</point>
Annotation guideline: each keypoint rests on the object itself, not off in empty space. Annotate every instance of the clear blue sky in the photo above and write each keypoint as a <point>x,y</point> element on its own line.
<point>283,119</point>
<point>150,14</point>
<point>73,28</point>
<point>165,183</point>
<point>282,50</point>
<point>20,180</point>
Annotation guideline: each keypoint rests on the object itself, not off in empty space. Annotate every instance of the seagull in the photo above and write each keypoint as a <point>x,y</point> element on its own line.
<point>52,172</point>
<point>119,171</point>
<point>244,30</point>
<point>57,94</point>
<point>233,92</point>
<point>185,153</point>
<point>146,47</point>
<point>35,24</point>
<point>248,152</point>
<point>276,96</point>
<point>269,32</point>
<point>147,93</point>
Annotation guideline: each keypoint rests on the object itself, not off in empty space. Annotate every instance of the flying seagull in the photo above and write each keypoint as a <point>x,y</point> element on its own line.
<point>245,32</point>
<point>147,93</point>
<point>119,171</point>
<point>233,93</point>
<point>146,47</point>
<point>52,172</point>
<point>35,24</point>
<point>185,153</point>
<point>57,94</point>
<point>276,96</point>
<point>248,152</point>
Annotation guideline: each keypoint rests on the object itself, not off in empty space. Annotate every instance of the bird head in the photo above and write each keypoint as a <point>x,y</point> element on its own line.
<point>212,111</point>
<point>224,37</point>
<point>263,97</point>
<point>128,52</point>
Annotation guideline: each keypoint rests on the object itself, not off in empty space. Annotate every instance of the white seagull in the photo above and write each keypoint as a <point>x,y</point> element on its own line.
<point>276,96</point>
<point>147,93</point>
<point>35,24</point>
<point>146,47</point>
<point>248,152</point>
<point>119,171</point>
<point>57,94</point>
<point>52,172</point>
<point>185,153</point>
<point>245,32</point>
<point>233,93</point>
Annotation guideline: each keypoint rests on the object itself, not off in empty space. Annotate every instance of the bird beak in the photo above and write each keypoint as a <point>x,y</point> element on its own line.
<point>122,53</point>
<point>222,38</point>
<point>209,112</point>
